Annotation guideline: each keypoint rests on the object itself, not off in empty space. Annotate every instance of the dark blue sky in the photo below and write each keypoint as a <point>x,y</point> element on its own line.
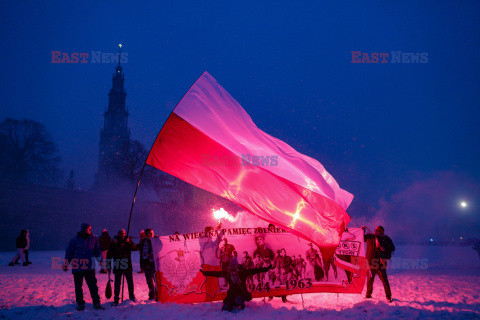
<point>288,63</point>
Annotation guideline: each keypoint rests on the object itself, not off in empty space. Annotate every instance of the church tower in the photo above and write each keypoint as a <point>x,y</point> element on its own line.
<point>115,134</point>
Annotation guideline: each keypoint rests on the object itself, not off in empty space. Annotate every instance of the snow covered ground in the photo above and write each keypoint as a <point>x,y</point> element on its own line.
<point>427,283</point>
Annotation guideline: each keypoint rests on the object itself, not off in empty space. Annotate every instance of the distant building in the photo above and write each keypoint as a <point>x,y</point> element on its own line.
<point>115,133</point>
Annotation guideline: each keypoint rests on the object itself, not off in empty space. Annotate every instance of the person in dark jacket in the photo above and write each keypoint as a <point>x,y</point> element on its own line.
<point>105,241</point>
<point>379,250</point>
<point>148,262</point>
<point>80,252</point>
<point>27,248</point>
<point>22,244</point>
<point>121,252</point>
<point>25,251</point>
<point>237,292</point>
<point>142,236</point>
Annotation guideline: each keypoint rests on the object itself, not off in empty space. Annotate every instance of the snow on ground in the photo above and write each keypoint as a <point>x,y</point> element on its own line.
<point>443,285</point>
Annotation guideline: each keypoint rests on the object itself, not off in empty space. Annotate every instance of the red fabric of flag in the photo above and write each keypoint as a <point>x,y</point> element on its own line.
<point>210,142</point>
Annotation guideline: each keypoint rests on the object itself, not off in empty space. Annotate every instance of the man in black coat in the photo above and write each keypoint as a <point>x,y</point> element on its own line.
<point>80,252</point>
<point>237,292</point>
<point>105,241</point>
<point>121,252</point>
<point>147,262</point>
<point>379,250</point>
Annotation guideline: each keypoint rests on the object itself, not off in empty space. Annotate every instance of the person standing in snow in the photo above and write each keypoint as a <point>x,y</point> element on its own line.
<point>22,244</point>
<point>80,253</point>
<point>25,251</point>
<point>142,236</point>
<point>148,262</point>
<point>121,253</point>
<point>379,250</point>
<point>105,241</point>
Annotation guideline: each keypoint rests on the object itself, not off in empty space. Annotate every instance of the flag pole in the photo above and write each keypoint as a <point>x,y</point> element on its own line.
<point>136,191</point>
<point>144,164</point>
<point>130,217</point>
<point>135,196</point>
<point>138,183</point>
<point>141,173</point>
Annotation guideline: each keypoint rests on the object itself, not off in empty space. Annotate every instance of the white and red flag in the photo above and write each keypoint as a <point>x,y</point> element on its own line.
<point>210,142</point>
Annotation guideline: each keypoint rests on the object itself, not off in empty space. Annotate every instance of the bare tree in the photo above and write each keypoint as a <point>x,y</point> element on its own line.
<point>28,152</point>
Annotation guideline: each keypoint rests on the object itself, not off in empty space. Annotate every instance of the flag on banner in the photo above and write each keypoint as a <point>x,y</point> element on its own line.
<point>211,142</point>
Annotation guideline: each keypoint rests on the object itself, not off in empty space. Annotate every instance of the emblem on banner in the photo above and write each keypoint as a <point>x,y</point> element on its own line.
<point>348,248</point>
<point>179,267</point>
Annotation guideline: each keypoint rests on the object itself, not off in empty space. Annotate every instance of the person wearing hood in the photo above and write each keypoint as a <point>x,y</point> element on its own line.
<point>22,244</point>
<point>121,252</point>
<point>80,252</point>
<point>236,276</point>
<point>105,241</point>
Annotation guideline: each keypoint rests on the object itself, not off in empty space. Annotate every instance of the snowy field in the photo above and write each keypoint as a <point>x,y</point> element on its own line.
<point>427,283</point>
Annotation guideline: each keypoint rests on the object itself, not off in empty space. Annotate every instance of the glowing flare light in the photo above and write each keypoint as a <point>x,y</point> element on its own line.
<point>223,214</point>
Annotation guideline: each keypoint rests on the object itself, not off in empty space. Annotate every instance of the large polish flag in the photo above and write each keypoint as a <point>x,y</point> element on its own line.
<point>211,142</point>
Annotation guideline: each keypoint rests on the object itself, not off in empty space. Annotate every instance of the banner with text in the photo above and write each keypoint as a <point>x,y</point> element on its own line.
<point>298,266</point>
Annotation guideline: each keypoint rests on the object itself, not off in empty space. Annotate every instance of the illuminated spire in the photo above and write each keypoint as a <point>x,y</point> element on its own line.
<point>119,53</point>
<point>118,69</point>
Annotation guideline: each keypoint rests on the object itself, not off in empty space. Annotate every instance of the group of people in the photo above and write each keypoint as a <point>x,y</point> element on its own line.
<point>114,255</point>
